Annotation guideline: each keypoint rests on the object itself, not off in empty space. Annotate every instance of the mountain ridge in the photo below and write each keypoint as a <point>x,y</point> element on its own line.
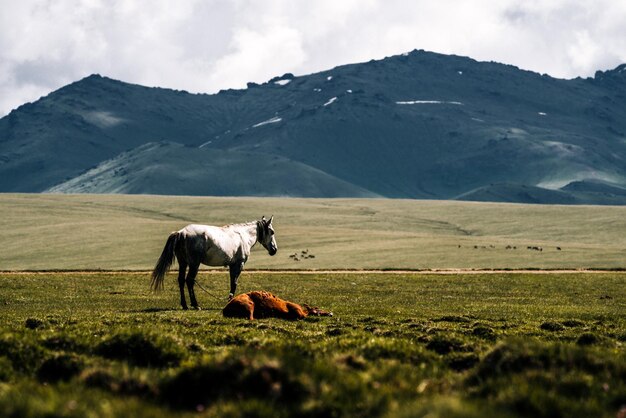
<point>416,125</point>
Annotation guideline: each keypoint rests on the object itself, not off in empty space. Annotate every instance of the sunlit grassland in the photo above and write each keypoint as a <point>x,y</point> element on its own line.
<point>399,344</point>
<point>43,232</point>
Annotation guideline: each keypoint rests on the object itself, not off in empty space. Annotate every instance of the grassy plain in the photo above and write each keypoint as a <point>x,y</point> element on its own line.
<point>44,232</point>
<point>399,344</point>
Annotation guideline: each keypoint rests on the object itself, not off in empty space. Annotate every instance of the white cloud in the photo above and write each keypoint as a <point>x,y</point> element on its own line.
<point>259,55</point>
<point>583,52</point>
<point>205,46</point>
<point>570,38</point>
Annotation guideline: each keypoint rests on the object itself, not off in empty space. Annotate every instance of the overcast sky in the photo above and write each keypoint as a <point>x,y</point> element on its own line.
<point>208,45</point>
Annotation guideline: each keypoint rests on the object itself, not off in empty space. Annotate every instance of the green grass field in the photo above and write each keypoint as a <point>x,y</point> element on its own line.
<point>75,343</point>
<point>399,344</point>
<point>45,232</point>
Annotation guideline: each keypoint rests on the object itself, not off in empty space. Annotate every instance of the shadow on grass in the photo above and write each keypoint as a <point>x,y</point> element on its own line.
<point>153,310</point>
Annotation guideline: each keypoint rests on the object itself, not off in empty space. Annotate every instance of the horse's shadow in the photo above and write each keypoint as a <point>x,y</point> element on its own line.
<point>154,310</point>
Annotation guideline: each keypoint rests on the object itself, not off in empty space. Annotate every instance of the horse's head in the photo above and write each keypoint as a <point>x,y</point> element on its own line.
<point>265,235</point>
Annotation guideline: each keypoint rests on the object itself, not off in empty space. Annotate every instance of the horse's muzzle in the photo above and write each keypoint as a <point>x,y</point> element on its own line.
<point>272,250</point>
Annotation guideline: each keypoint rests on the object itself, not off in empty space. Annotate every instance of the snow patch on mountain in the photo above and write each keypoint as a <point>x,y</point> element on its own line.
<point>330,101</point>
<point>275,119</point>
<point>412,102</point>
<point>102,119</point>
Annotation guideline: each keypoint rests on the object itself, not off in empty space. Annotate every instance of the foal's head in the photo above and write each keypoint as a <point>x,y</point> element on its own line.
<point>265,235</point>
<point>315,311</point>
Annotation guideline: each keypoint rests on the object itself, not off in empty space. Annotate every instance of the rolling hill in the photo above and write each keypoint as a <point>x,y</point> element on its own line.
<point>417,125</point>
<point>174,169</point>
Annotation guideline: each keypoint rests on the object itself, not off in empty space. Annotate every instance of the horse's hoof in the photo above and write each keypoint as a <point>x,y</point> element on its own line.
<point>197,308</point>
<point>185,308</point>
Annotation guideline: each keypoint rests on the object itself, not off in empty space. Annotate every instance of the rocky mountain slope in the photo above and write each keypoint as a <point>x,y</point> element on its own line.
<point>417,125</point>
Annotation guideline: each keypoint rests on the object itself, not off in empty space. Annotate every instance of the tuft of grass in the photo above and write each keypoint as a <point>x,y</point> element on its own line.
<point>117,384</point>
<point>34,323</point>
<point>588,338</point>
<point>22,351</point>
<point>462,361</point>
<point>6,369</point>
<point>444,344</point>
<point>142,349</point>
<point>551,326</point>
<point>234,377</point>
<point>60,368</point>
<point>63,342</point>
<point>573,323</point>
<point>29,399</point>
<point>452,318</point>
<point>448,407</point>
<point>484,332</point>
<point>533,378</point>
<point>397,349</point>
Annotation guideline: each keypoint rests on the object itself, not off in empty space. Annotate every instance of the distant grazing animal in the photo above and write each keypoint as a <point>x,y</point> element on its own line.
<point>228,245</point>
<point>261,304</point>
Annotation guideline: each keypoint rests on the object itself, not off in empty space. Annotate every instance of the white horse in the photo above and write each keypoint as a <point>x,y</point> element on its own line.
<point>229,245</point>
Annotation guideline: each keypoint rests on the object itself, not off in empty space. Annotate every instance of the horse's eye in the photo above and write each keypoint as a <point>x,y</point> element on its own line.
<point>271,232</point>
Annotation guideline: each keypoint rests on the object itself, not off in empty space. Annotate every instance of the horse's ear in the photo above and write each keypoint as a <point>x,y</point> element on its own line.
<point>263,218</point>
<point>270,221</point>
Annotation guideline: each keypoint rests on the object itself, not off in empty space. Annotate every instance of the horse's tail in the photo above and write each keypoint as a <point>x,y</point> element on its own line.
<point>164,263</point>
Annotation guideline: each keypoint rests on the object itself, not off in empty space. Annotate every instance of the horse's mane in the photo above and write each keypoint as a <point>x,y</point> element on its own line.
<point>250,223</point>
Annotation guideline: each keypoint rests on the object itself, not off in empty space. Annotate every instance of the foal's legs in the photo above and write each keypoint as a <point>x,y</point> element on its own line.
<point>191,280</point>
<point>181,283</point>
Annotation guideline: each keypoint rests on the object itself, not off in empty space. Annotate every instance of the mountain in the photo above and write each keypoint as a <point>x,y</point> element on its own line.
<point>175,169</point>
<point>416,125</point>
<point>573,193</point>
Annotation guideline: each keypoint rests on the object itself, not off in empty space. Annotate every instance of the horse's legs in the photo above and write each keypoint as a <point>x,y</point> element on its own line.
<point>191,280</point>
<point>181,283</point>
<point>235,271</point>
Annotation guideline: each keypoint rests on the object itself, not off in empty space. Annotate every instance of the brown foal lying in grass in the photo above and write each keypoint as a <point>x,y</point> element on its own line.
<point>261,304</point>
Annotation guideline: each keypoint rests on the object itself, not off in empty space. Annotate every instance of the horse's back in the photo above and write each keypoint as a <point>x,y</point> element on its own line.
<point>192,230</point>
<point>214,246</point>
